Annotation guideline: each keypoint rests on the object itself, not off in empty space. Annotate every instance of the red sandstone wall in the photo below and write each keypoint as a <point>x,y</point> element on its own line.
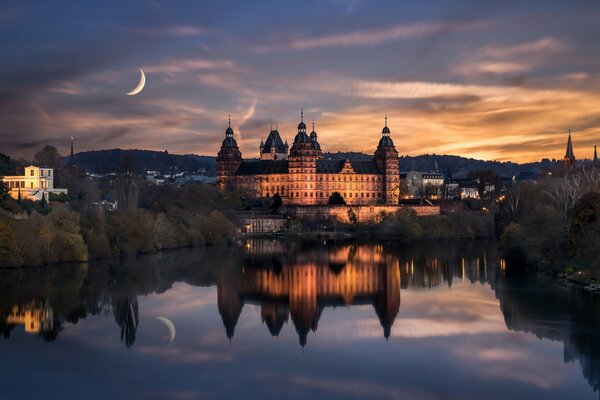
<point>363,212</point>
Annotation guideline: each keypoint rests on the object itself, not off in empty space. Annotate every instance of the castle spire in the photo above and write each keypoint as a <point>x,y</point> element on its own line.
<point>302,114</point>
<point>230,120</point>
<point>596,158</point>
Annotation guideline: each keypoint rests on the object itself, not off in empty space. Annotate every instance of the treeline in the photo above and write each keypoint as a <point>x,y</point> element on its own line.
<point>405,225</point>
<point>554,224</point>
<point>164,217</point>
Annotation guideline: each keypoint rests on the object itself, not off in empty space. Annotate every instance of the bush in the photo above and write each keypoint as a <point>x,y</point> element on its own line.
<point>61,197</point>
<point>513,244</point>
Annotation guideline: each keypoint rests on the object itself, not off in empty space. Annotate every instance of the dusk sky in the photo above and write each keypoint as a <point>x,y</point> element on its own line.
<point>491,80</point>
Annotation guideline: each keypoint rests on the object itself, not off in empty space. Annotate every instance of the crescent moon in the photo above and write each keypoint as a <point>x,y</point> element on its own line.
<point>140,85</point>
<point>169,326</point>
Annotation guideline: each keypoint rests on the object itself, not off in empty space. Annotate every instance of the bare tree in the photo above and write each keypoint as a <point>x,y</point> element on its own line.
<point>564,193</point>
<point>513,200</point>
<point>591,177</point>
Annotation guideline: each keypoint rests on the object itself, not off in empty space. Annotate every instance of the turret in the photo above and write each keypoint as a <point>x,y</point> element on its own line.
<point>229,158</point>
<point>313,139</point>
<point>386,158</point>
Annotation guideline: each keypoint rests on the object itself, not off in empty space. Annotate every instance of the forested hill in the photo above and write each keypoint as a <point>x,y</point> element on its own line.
<point>107,161</point>
<point>455,164</point>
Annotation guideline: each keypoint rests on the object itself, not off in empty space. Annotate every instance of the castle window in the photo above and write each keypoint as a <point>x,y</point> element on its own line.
<point>31,173</point>
<point>367,194</point>
<point>305,194</point>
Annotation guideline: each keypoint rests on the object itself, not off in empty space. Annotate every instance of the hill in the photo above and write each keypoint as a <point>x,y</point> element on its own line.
<point>455,164</point>
<point>107,161</point>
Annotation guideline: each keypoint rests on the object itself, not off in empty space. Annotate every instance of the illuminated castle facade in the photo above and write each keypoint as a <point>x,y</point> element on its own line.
<point>303,176</point>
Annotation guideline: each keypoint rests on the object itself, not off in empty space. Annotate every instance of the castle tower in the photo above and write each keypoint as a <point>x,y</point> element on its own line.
<point>387,161</point>
<point>569,160</point>
<point>303,167</point>
<point>229,158</point>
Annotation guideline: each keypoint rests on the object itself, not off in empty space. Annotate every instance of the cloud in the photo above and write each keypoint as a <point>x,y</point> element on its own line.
<point>175,66</point>
<point>170,30</point>
<point>511,59</point>
<point>373,37</point>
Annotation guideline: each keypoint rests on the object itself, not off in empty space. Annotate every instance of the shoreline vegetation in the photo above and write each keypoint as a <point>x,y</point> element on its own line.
<point>551,224</point>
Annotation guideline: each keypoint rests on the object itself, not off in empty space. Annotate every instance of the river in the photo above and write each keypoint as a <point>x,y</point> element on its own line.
<point>272,319</point>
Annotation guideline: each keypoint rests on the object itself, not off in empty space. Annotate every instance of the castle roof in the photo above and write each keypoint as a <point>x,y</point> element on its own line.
<point>335,166</point>
<point>274,141</point>
<point>263,167</point>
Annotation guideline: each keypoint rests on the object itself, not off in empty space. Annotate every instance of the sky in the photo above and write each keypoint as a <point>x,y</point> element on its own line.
<point>483,79</point>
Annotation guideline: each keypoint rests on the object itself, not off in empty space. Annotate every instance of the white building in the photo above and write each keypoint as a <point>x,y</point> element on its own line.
<point>35,183</point>
<point>423,184</point>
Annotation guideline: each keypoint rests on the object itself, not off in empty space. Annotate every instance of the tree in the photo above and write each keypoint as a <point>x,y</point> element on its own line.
<point>48,157</point>
<point>277,202</point>
<point>43,201</point>
<point>336,199</point>
<point>19,196</point>
<point>564,193</point>
<point>352,216</point>
<point>4,194</point>
<point>126,184</point>
<point>9,249</point>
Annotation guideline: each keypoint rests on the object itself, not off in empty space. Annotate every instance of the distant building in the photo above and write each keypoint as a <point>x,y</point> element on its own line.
<point>596,164</point>
<point>36,183</point>
<point>195,179</point>
<point>569,160</point>
<point>419,184</point>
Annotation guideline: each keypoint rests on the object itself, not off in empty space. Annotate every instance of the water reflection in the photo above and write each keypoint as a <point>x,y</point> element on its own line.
<point>292,283</point>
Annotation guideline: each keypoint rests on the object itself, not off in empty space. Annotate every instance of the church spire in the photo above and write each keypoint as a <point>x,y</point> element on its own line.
<point>570,147</point>
<point>596,158</point>
<point>569,160</point>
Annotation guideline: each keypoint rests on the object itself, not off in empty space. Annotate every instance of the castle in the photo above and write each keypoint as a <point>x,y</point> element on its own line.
<point>303,176</point>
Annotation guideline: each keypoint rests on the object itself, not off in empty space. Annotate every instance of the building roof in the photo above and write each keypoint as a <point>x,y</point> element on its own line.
<point>274,141</point>
<point>335,166</point>
<point>262,167</point>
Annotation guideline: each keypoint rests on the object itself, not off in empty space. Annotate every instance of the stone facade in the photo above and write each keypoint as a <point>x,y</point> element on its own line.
<point>305,176</point>
<point>363,213</point>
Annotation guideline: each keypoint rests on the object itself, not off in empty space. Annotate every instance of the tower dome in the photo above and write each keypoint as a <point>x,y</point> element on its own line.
<point>386,140</point>
<point>301,137</point>
<point>229,141</point>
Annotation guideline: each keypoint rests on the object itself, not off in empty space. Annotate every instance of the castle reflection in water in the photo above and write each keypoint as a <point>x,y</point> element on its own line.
<point>298,284</point>
<point>293,282</point>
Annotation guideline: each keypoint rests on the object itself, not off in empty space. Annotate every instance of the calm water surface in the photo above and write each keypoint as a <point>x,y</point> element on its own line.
<point>289,320</point>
